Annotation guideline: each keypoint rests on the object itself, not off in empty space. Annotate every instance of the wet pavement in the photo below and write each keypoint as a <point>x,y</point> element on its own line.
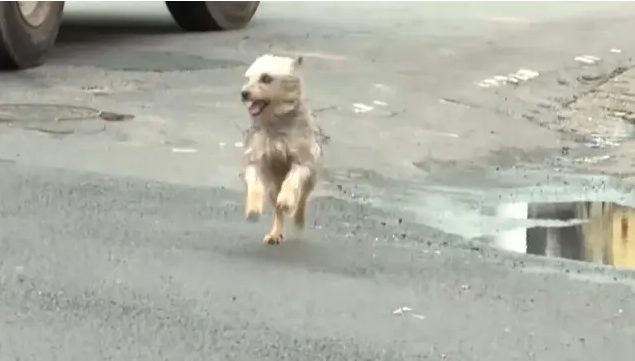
<point>476,201</point>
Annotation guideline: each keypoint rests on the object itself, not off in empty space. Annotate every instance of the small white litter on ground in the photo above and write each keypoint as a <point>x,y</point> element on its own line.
<point>513,78</point>
<point>592,160</point>
<point>587,59</point>
<point>361,108</point>
<point>616,51</point>
<point>184,150</point>
<point>488,83</point>
<point>526,74</point>
<point>444,134</point>
<point>407,310</point>
<point>500,78</point>
<point>98,90</point>
<point>401,310</point>
<point>380,103</point>
<point>238,144</point>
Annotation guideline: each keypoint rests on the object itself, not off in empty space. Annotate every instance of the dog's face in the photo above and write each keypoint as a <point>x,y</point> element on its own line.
<point>273,83</point>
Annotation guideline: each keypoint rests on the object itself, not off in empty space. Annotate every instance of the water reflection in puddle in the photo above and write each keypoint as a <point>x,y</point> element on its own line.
<point>598,232</point>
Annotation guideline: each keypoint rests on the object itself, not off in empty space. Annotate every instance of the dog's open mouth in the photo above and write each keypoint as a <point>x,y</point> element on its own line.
<point>256,107</point>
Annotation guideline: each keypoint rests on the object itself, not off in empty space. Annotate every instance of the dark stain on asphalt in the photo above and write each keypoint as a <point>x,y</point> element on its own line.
<point>115,117</point>
<point>58,119</point>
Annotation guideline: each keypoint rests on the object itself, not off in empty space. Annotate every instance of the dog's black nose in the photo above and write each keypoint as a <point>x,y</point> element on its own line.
<point>244,95</point>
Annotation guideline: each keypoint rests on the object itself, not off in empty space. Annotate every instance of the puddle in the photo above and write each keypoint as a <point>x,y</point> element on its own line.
<point>572,216</point>
<point>596,232</point>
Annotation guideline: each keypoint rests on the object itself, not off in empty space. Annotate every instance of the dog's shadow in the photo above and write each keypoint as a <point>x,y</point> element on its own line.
<point>312,252</point>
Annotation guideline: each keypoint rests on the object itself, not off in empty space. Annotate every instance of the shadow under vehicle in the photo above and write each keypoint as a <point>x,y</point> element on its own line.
<point>28,29</point>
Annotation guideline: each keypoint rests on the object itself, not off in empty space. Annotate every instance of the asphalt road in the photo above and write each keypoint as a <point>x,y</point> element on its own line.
<point>125,240</point>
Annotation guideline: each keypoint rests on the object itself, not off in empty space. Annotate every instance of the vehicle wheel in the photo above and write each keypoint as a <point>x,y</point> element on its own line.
<point>28,30</point>
<point>212,15</point>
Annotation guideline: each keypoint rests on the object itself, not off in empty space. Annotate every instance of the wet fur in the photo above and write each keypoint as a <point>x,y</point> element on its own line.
<point>282,152</point>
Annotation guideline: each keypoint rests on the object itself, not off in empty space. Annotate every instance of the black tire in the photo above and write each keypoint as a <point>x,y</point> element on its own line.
<point>25,40</point>
<point>212,15</point>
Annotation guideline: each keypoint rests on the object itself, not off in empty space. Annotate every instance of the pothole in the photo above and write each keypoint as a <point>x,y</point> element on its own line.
<point>596,232</point>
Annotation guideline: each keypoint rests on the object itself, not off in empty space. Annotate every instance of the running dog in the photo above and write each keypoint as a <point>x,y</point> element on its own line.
<point>282,148</point>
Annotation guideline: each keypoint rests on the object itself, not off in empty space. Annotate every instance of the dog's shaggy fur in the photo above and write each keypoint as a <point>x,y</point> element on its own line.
<point>282,149</point>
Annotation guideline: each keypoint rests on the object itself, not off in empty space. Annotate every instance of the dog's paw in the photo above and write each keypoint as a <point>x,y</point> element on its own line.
<point>273,238</point>
<point>252,216</point>
<point>298,220</point>
<point>286,202</point>
<point>254,206</point>
<point>253,212</point>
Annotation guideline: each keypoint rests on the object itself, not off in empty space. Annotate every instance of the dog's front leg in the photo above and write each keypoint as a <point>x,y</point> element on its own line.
<point>291,189</point>
<point>275,236</point>
<point>255,194</point>
<point>291,197</point>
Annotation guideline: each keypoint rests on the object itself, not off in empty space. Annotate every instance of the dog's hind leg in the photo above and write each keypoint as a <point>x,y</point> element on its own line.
<point>300,211</point>
<point>255,194</point>
<point>275,236</point>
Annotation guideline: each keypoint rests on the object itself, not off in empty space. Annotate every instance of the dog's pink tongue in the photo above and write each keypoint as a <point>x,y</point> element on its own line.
<point>256,108</point>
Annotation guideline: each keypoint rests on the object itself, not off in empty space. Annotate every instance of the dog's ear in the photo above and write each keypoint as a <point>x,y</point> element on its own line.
<point>297,63</point>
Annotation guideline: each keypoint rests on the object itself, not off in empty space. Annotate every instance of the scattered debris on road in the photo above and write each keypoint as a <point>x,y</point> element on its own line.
<point>587,59</point>
<point>115,117</point>
<point>323,109</point>
<point>184,150</point>
<point>381,86</point>
<point>600,141</point>
<point>361,108</point>
<point>456,102</point>
<point>401,310</point>
<point>521,75</point>
<point>98,90</point>
<point>407,310</point>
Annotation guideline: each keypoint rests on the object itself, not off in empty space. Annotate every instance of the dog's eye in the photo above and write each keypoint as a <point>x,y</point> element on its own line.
<point>266,78</point>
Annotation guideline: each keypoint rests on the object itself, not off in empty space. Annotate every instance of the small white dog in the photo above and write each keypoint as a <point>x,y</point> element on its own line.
<point>282,150</point>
